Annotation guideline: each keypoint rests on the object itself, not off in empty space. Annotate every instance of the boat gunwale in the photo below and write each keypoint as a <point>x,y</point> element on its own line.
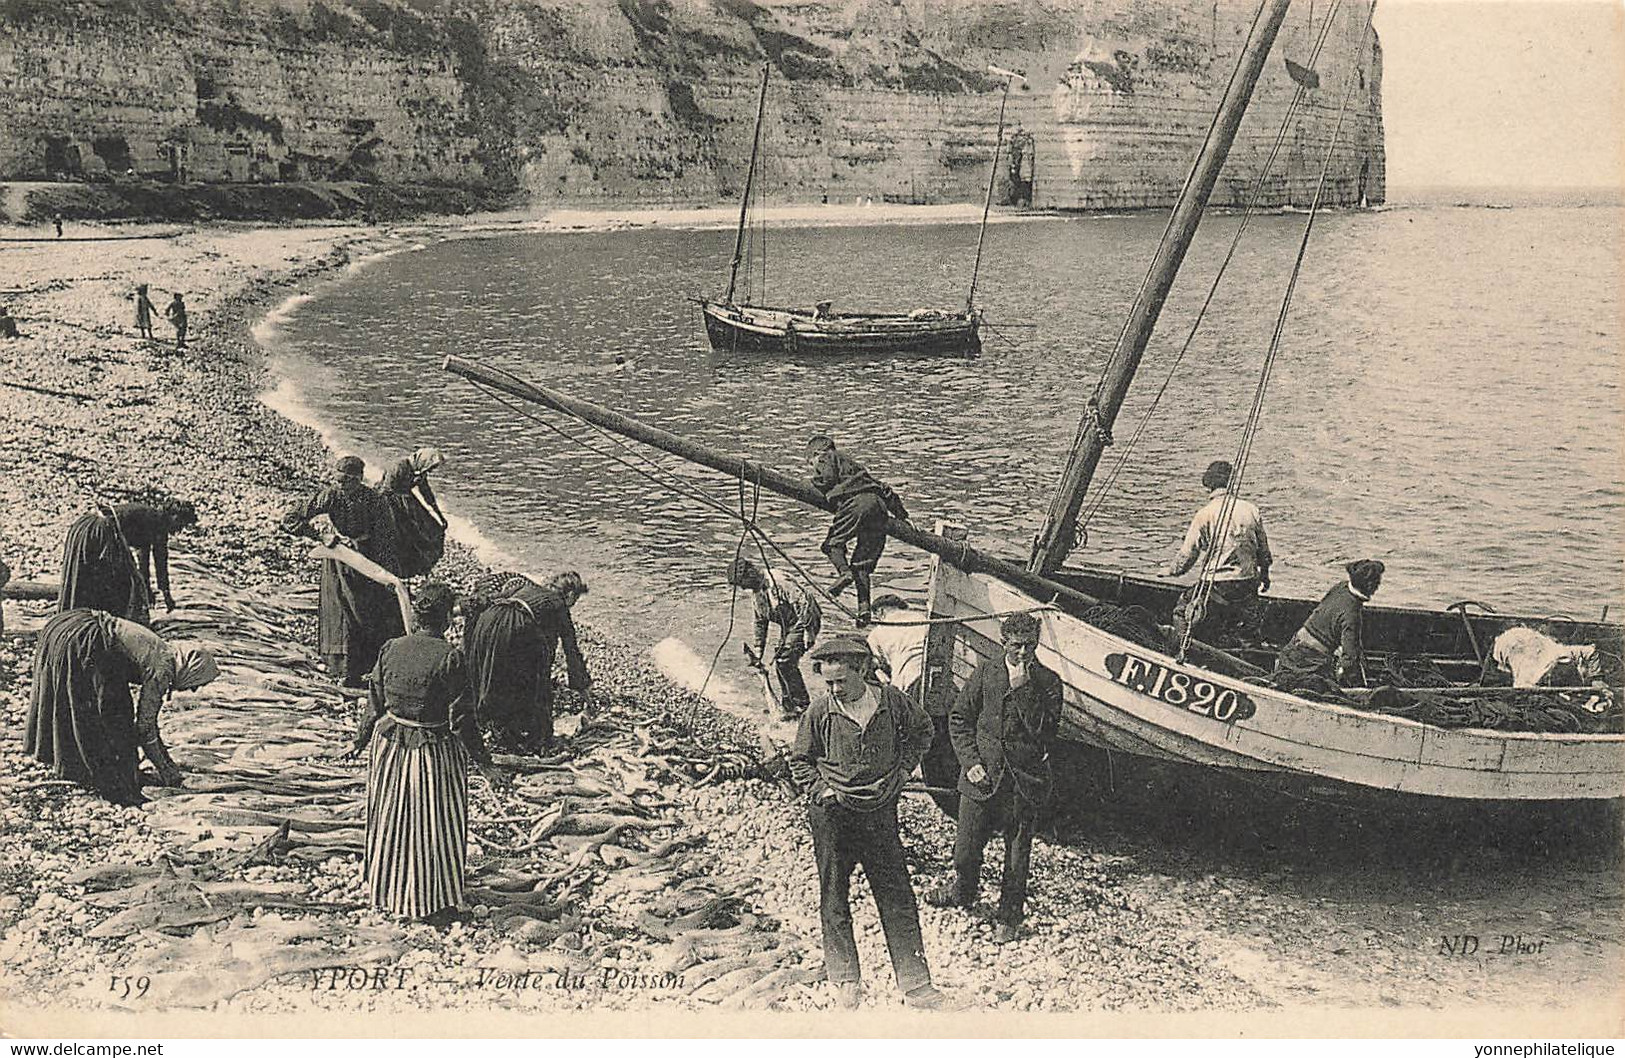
<point>1373,610</point>
<point>735,312</point>
<point>1361,715</point>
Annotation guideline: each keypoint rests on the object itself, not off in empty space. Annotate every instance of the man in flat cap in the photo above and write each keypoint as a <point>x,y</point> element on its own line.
<point>862,503</point>
<point>1237,567</point>
<point>856,745</point>
<point>1003,725</point>
<point>356,615</point>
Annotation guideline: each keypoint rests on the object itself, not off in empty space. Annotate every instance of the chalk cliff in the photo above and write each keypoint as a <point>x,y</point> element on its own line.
<point>610,100</point>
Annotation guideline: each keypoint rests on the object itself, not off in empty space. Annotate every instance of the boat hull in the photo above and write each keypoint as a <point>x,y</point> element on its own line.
<point>761,329</point>
<point>1118,696</point>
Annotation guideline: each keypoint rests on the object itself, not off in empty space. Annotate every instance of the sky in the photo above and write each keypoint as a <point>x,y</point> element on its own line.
<point>1485,93</point>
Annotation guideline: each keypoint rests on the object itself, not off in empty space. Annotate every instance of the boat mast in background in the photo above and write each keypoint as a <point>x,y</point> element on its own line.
<point>1010,76</point>
<point>1058,536</point>
<point>750,179</point>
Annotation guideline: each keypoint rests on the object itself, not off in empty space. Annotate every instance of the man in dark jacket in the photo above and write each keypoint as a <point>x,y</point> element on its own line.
<point>1002,725</point>
<point>856,746</point>
<point>862,504</point>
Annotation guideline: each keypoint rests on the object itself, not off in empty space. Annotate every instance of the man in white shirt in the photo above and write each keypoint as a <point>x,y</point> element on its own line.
<point>1237,567</point>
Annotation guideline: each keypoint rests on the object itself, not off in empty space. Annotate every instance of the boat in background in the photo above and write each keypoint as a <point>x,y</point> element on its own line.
<point>756,328</point>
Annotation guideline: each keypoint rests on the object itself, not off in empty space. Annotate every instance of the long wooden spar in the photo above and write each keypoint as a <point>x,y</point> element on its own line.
<point>966,558</point>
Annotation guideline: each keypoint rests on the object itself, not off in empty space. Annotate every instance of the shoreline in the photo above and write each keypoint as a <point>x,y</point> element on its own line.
<point>1140,924</point>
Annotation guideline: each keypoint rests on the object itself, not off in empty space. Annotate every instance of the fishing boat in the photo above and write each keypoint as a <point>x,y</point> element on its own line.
<point>749,327</point>
<point>1131,687</point>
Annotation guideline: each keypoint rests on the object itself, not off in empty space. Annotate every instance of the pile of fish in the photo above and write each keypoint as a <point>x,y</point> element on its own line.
<point>578,859</point>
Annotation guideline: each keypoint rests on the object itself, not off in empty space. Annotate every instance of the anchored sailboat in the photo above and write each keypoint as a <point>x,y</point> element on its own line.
<point>746,326</point>
<point>1129,688</point>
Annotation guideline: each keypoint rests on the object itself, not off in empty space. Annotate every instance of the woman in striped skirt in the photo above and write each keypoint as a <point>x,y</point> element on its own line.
<point>419,735</point>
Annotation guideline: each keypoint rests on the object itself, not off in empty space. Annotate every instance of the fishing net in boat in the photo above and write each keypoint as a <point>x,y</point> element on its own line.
<point>1133,623</point>
<point>1590,712</point>
<point>1402,692</point>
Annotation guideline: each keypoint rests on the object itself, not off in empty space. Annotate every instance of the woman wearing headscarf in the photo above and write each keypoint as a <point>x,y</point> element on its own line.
<point>510,657</point>
<point>82,721</point>
<point>420,527</point>
<point>100,553</point>
<point>355,615</point>
<point>419,735</point>
<point>1330,647</point>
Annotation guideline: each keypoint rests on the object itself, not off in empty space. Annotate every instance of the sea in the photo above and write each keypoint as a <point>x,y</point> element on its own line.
<point>1445,397</point>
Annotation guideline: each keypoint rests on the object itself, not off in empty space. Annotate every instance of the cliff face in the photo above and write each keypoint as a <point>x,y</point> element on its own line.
<point>655,99</point>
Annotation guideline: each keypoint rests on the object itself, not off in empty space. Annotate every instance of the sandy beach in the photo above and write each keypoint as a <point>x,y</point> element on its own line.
<point>633,865</point>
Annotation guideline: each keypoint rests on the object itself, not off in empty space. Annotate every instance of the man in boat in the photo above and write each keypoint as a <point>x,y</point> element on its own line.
<point>1003,725</point>
<point>856,746</point>
<point>799,618</point>
<point>1328,652</point>
<point>1236,570</point>
<point>862,504</point>
<point>356,615</point>
<point>897,640</point>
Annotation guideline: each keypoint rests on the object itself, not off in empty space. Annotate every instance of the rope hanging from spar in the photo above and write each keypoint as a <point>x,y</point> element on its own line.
<point>1249,432</point>
<point>1085,422</point>
<point>659,475</point>
<point>752,529</point>
<point>1098,499</point>
<point>749,521</point>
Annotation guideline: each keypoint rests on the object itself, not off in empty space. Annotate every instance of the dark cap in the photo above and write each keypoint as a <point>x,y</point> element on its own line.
<point>819,442</point>
<point>841,648</point>
<point>744,573</point>
<point>351,466</point>
<point>1365,575</point>
<point>1217,475</point>
<point>888,602</point>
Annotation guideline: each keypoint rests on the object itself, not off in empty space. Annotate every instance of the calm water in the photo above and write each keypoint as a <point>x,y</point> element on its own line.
<point>1447,397</point>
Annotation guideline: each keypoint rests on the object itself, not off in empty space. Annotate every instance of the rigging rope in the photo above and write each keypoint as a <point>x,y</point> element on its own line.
<point>1098,499</point>
<point>654,475</point>
<point>1150,269</point>
<point>733,589</point>
<point>1249,433</point>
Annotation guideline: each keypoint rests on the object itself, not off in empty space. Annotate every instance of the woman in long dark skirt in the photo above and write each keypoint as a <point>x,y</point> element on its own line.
<point>355,615</point>
<point>82,720</point>
<point>99,557</point>
<point>419,734</point>
<point>510,658</point>
<point>420,527</point>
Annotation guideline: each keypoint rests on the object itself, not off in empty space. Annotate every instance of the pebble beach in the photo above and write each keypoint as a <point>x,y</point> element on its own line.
<point>635,872</point>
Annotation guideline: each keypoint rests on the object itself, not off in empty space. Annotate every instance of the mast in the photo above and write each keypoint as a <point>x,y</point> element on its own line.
<point>750,177</point>
<point>992,177</point>
<point>1056,538</point>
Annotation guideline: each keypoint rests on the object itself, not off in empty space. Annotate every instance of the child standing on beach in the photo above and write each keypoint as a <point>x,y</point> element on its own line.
<point>177,316</point>
<point>144,310</point>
